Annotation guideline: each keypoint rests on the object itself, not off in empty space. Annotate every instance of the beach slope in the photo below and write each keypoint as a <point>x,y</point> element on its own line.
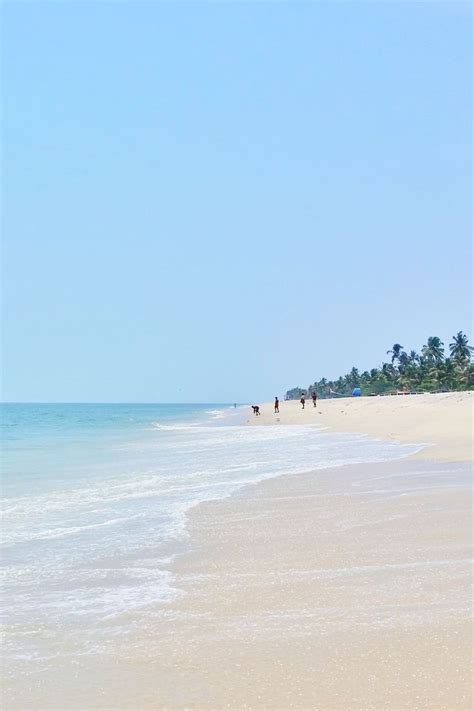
<point>441,421</point>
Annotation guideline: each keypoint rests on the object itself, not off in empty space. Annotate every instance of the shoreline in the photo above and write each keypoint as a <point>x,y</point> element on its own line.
<point>340,589</point>
<point>347,587</point>
<point>441,422</point>
<point>336,589</point>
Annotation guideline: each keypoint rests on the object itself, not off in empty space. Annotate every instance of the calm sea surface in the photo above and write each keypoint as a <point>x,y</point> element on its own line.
<point>94,508</point>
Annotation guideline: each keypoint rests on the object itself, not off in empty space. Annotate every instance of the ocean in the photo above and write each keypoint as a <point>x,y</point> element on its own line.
<point>94,507</point>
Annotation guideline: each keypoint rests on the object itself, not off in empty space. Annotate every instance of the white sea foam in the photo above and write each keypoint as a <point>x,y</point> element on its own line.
<point>175,428</point>
<point>216,414</point>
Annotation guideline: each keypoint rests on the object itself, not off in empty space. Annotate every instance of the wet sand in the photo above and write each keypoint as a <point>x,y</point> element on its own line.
<point>346,589</point>
<point>349,589</point>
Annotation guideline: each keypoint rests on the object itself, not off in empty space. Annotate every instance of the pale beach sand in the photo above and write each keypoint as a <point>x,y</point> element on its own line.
<point>443,421</point>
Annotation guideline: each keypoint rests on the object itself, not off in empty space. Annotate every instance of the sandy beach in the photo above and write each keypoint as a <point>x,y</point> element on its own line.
<point>349,591</point>
<point>443,422</point>
<point>343,589</point>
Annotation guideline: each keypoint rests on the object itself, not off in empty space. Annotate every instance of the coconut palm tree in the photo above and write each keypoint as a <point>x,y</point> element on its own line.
<point>403,358</point>
<point>403,362</point>
<point>354,377</point>
<point>446,374</point>
<point>395,351</point>
<point>433,352</point>
<point>388,371</point>
<point>459,349</point>
<point>413,376</point>
<point>426,371</point>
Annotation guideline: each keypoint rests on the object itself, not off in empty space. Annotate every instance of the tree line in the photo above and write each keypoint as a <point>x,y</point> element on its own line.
<point>428,371</point>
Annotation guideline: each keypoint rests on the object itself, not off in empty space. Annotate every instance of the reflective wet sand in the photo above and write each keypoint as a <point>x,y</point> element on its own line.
<point>345,589</point>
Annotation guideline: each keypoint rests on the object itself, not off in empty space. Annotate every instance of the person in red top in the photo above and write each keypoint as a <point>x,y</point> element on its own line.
<point>314,396</point>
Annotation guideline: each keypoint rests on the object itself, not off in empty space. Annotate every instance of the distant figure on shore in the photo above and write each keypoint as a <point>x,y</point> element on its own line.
<point>235,404</point>
<point>302,400</point>
<point>314,398</point>
<point>277,405</point>
<point>256,409</point>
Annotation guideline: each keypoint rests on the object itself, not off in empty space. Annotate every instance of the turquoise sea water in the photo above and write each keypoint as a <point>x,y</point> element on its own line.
<point>95,500</point>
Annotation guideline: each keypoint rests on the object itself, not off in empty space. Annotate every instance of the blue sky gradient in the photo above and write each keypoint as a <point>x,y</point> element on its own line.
<point>218,201</point>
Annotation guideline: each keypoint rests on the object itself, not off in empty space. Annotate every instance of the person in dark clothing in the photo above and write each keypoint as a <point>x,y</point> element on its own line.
<point>302,400</point>
<point>277,405</point>
<point>314,397</point>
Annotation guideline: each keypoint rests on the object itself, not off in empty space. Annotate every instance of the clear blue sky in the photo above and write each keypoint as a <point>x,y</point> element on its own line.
<point>219,201</point>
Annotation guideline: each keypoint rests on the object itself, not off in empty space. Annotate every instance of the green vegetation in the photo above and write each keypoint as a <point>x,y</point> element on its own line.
<point>429,371</point>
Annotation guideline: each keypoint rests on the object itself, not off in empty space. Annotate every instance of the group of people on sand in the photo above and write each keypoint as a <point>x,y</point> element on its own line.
<point>314,397</point>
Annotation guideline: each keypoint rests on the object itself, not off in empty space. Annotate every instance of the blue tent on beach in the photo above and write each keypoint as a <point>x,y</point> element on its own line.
<point>357,392</point>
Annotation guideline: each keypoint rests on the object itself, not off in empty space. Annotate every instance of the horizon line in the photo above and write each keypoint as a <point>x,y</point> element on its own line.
<point>109,402</point>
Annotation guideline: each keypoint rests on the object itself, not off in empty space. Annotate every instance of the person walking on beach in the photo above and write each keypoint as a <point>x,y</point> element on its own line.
<point>302,400</point>
<point>314,397</point>
<point>277,405</point>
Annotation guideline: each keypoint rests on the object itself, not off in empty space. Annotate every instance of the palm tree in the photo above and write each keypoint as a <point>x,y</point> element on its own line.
<point>389,375</point>
<point>322,387</point>
<point>446,374</point>
<point>355,377</point>
<point>395,351</point>
<point>404,358</point>
<point>433,352</point>
<point>403,362</point>
<point>460,351</point>
<point>388,370</point>
<point>413,375</point>
<point>427,371</point>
